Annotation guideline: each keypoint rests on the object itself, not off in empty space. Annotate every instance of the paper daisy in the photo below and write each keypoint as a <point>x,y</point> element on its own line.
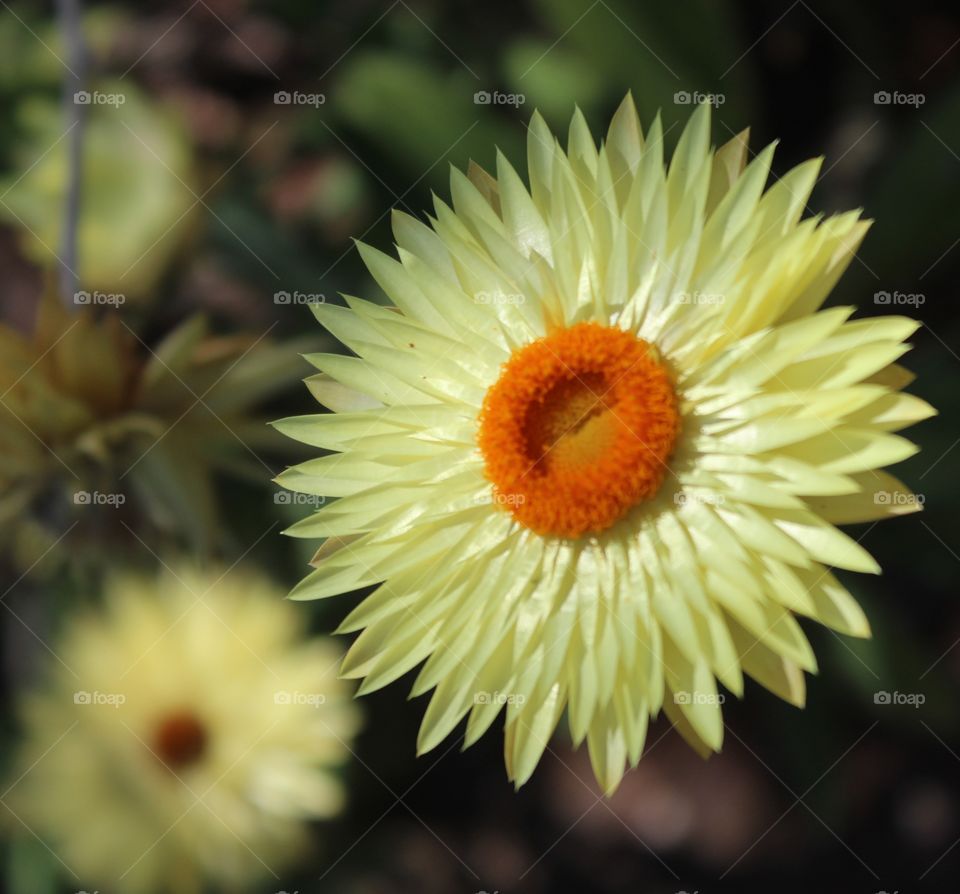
<point>595,454</point>
<point>87,412</point>
<point>183,738</point>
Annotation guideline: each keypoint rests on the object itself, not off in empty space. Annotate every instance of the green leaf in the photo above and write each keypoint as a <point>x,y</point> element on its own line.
<point>395,102</point>
<point>655,49</point>
<point>30,867</point>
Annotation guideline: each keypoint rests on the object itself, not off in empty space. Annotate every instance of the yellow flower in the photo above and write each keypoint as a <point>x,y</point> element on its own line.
<point>595,454</point>
<point>184,736</point>
<point>100,433</point>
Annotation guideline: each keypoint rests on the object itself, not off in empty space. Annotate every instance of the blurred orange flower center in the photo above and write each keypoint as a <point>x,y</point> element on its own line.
<point>578,429</point>
<point>180,739</point>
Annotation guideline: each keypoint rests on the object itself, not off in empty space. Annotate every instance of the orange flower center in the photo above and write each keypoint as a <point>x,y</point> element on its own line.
<point>578,429</point>
<point>179,739</point>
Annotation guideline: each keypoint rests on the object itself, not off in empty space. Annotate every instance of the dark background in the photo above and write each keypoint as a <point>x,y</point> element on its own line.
<point>847,796</point>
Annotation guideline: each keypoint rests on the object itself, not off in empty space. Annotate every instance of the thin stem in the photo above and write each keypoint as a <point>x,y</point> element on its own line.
<point>69,12</point>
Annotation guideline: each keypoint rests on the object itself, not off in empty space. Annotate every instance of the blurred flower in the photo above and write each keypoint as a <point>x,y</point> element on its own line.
<point>184,735</point>
<point>140,195</point>
<point>95,436</point>
<point>598,454</point>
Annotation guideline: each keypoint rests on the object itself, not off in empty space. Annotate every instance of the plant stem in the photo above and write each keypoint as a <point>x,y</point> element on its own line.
<point>69,13</point>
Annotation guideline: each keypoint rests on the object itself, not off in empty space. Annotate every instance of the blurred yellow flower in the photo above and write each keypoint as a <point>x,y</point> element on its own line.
<point>595,454</point>
<point>97,430</point>
<point>186,733</point>
<point>133,148</point>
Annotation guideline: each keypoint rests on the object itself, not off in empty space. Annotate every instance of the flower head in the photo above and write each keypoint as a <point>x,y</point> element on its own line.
<point>184,735</point>
<point>99,431</point>
<point>595,454</point>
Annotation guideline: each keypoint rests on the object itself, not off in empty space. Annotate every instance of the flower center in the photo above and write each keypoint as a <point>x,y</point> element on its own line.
<point>578,429</point>
<point>179,739</point>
